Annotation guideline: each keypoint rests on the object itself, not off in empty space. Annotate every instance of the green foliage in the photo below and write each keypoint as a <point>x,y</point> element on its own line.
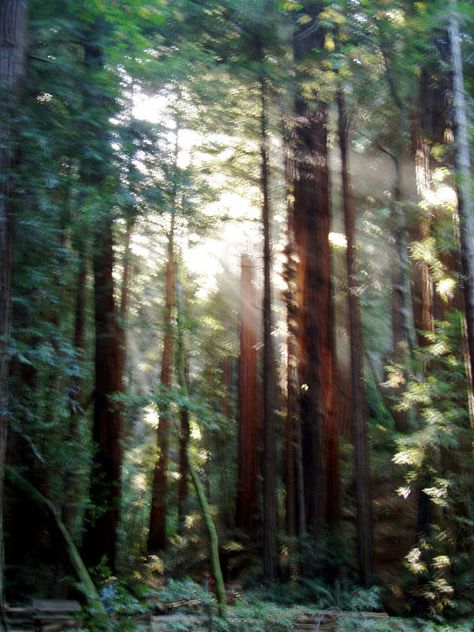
<point>118,600</point>
<point>176,591</point>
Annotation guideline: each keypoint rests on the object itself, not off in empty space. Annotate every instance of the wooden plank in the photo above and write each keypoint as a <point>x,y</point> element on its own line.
<point>55,627</point>
<point>55,605</point>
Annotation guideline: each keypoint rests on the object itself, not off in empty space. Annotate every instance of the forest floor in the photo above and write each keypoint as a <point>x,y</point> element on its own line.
<point>243,616</point>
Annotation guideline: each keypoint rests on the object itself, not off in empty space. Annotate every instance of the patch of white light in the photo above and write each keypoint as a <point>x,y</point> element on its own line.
<point>440,195</point>
<point>338,240</point>
<point>154,109</point>
<point>446,287</point>
<point>150,416</point>
<point>44,97</point>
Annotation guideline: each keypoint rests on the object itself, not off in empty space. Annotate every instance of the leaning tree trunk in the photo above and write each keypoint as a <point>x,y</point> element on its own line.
<point>13,34</point>
<point>198,486</point>
<point>359,422</point>
<point>270,525</point>
<point>61,538</point>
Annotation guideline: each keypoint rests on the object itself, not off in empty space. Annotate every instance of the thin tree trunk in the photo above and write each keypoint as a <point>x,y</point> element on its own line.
<point>157,537</point>
<point>69,508</point>
<point>184,428</point>
<point>13,42</point>
<point>125,289</point>
<point>246,502</point>
<point>200,493</point>
<point>270,525</point>
<point>359,423</point>
<point>462,162</point>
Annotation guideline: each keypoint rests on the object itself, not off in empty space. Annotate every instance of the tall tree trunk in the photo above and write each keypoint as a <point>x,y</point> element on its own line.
<point>184,428</point>
<point>69,508</point>
<point>316,364</point>
<point>462,162</point>
<point>311,221</point>
<point>125,288</point>
<point>102,529</point>
<point>403,325</point>
<point>13,42</point>
<point>157,537</point>
<point>246,502</point>
<point>359,423</point>
<point>295,502</point>
<point>270,525</point>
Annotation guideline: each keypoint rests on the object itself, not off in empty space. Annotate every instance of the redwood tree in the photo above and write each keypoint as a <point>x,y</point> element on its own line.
<point>102,528</point>
<point>311,222</point>
<point>13,42</point>
<point>246,505</point>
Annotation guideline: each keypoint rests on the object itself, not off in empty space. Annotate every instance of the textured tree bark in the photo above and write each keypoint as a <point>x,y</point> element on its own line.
<point>292,408</point>
<point>359,423</point>
<point>247,464</point>
<point>311,222</point>
<point>102,528</point>
<point>270,524</point>
<point>13,43</point>
<point>101,537</point>
<point>315,346</point>
<point>462,162</point>
<point>294,478</point>
<point>157,538</point>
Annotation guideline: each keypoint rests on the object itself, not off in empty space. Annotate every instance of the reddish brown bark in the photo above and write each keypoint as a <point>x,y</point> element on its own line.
<point>102,529</point>
<point>311,221</point>
<point>246,502</point>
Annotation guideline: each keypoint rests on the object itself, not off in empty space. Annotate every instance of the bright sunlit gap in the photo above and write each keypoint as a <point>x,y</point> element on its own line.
<point>212,254</point>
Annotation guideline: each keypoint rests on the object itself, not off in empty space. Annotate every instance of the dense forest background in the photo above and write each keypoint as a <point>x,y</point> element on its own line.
<point>237,309</point>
